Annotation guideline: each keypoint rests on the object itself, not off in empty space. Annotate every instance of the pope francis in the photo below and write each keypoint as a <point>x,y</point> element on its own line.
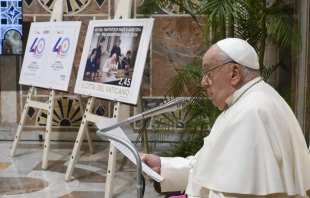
<point>256,147</point>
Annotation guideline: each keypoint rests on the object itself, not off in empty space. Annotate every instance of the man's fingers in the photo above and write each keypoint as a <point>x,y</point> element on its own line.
<point>142,156</point>
<point>156,169</point>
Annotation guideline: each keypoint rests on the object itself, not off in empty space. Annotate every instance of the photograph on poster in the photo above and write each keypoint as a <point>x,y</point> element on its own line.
<point>49,54</point>
<point>112,55</point>
<point>113,59</point>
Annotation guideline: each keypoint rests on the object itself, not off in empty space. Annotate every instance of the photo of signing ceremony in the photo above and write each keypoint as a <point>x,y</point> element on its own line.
<point>154,99</point>
<point>112,58</point>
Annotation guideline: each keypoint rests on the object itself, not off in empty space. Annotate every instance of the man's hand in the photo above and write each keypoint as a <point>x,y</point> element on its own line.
<point>153,161</point>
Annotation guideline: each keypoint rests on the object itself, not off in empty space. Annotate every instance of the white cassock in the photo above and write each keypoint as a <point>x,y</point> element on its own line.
<point>108,65</point>
<point>255,148</point>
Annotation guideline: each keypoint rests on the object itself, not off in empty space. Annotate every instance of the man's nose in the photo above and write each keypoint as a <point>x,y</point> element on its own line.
<point>204,82</point>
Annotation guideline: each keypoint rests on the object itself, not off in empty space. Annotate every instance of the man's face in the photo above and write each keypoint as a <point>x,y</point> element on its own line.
<point>93,55</point>
<point>217,81</point>
<point>118,43</point>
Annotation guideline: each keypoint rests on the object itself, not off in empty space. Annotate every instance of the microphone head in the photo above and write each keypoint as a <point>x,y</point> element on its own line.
<point>177,103</point>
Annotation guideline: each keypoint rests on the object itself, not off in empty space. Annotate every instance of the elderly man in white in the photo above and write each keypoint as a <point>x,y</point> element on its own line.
<point>110,64</point>
<point>256,147</point>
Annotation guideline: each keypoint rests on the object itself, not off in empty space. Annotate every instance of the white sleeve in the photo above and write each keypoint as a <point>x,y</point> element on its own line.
<point>215,194</point>
<point>105,66</point>
<point>175,171</point>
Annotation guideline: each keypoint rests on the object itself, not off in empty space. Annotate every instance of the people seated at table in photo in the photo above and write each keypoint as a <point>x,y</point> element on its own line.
<point>116,49</point>
<point>102,53</point>
<point>121,59</point>
<point>110,64</point>
<point>125,63</point>
<point>91,65</point>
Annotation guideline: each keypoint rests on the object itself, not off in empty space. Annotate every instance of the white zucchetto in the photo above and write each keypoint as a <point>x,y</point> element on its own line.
<point>240,51</point>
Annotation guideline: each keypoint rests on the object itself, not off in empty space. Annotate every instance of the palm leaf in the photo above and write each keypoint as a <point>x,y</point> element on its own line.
<point>150,7</point>
<point>282,29</point>
<point>218,12</point>
<point>248,22</point>
<point>267,72</point>
<point>188,77</point>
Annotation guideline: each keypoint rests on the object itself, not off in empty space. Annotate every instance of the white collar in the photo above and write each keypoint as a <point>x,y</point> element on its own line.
<point>235,96</point>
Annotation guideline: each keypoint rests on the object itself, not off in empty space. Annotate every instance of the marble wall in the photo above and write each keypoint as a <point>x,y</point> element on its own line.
<point>176,41</point>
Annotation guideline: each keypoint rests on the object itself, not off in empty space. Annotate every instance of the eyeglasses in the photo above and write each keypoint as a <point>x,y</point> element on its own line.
<point>207,74</point>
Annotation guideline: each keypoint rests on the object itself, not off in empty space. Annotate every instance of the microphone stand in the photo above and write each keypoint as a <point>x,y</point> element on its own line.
<point>135,153</point>
<point>172,105</point>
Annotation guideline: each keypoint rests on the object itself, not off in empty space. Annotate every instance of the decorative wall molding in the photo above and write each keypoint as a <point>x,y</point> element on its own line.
<point>70,6</point>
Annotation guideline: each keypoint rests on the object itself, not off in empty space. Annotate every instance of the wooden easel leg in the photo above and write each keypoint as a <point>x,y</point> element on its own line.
<point>79,140</point>
<point>48,131</point>
<point>112,160</point>
<point>144,139</point>
<point>82,107</point>
<point>90,143</point>
<point>110,172</point>
<point>121,112</point>
<point>89,140</point>
<point>21,123</point>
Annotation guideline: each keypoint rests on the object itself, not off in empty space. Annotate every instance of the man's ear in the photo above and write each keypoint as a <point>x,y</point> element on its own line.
<point>236,75</point>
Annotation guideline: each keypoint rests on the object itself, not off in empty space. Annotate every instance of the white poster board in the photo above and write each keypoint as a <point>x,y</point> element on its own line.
<point>113,59</point>
<point>49,54</point>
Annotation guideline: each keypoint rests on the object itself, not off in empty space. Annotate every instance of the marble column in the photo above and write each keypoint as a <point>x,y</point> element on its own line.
<point>302,67</point>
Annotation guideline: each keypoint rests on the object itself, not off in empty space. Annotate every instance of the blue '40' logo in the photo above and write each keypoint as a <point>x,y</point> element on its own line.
<point>38,47</point>
<point>62,47</point>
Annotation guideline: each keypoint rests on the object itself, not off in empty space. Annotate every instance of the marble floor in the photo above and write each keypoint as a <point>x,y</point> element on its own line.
<point>22,176</point>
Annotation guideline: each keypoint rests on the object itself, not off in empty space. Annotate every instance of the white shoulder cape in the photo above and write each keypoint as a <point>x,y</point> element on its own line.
<point>255,147</point>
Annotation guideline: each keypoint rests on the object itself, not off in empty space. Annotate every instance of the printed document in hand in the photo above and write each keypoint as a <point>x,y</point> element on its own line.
<point>120,133</point>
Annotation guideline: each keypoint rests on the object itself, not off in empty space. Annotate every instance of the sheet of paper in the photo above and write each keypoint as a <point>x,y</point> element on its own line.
<point>119,133</point>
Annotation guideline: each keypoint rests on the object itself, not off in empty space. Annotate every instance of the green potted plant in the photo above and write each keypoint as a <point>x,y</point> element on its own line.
<point>258,22</point>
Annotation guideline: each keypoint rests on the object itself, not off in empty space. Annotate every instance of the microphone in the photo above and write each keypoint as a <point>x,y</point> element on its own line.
<point>173,105</point>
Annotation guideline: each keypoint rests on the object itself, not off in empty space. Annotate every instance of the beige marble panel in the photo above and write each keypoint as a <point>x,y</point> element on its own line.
<point>4,165</point>
<point>22,185</point>
<point>176,41</point>
<point>35,8</point>
<point>115,3</point>
<point>93,8</point>
<point>41,91</point>
<point>8,87</point>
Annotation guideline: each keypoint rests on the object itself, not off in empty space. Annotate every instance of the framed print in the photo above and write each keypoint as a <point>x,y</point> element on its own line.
<point>113,59</point>
<point>49,54</point>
